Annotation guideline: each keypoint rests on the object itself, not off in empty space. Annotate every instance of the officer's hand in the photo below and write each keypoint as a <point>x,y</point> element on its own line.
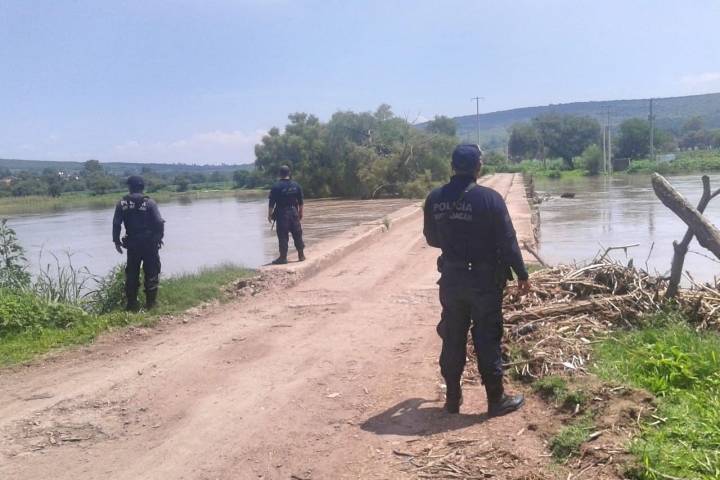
<point>118,247</point>
<point>523,287</point>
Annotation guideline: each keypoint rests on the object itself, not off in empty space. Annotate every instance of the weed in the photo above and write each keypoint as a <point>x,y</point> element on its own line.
<point>13,264</point>
<point>568,441</point>
<point>387,222</point>
<point>681,367</point>
<point>551,387</point>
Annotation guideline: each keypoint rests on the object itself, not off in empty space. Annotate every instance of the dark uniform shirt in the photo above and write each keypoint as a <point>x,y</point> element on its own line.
<point>286,193</point>
<point>141,217</point>
<point>475,230</point>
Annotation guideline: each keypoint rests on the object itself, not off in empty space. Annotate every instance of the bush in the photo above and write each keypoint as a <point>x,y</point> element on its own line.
<point>13,264</point>
<point>592,159</point>
<point>109,294</point>
<point>22,311</point>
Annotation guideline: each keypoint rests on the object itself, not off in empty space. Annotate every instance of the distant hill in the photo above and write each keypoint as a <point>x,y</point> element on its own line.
<point>119,168</point>
<point>670,113</point>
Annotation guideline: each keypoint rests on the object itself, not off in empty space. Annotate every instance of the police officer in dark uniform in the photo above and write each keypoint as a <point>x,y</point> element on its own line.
<point>144,231</point>
<point>286,209</point>
<point>471,225</point>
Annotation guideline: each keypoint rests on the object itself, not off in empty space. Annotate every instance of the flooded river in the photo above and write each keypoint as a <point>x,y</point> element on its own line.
<point>198,233</point>
<point>616,211</point>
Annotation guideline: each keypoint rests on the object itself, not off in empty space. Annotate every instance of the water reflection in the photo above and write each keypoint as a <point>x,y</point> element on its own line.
<point>617,211</point>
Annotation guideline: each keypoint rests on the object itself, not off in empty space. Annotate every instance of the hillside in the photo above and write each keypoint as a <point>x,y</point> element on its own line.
<point>119,168</point>
<point>670,113</point>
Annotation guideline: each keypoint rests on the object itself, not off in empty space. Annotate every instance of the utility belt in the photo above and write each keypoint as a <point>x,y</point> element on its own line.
<point>140,240</point>
<point>498,272</point>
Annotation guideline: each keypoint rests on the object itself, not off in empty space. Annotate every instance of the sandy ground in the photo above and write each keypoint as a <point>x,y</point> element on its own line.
<point>321,380</point>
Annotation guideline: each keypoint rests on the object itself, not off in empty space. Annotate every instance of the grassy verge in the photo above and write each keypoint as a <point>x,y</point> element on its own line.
<point>177,294</point>
<point>682,368</point>
<point>686,162</point>
<point>42,204</point>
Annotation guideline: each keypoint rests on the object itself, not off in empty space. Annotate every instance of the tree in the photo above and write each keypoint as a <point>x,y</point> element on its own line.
<point>592,159</point>
<point>355,154</point>
<point>99,183</point>
<point>567,136</point>
<point>240,178</point>
<point>92,167</point>
<point>634,141</point>
<point>5,172</point>
<point>182,182</point>
<point>442,125</point>
<point>524,142</point>
<point>494,157</point>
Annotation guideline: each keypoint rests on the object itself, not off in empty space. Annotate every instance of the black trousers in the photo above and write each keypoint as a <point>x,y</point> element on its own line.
<point>145,256</point>
<point>466,308</point>
<point>288,222</point>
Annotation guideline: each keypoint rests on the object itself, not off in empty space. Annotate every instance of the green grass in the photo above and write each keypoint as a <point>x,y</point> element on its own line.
<point>569,440</point>
<point>686,162</point>
<point>42,204</point>
<point>556,389</point>
<point>682,368</point>
<point>177,294</point>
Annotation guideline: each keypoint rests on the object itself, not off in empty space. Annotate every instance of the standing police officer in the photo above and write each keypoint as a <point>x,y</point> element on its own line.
<point>471,224</point>
<point>286,208</point>
<point>144,230</point>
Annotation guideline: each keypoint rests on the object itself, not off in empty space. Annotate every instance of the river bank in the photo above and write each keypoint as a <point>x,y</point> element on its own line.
<point>73,201</point>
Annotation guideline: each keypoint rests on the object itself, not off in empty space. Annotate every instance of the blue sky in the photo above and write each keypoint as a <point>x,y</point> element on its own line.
<point>200,81</point>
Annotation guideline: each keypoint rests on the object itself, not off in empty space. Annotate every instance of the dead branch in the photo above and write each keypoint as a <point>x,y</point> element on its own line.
<point>707,234</point>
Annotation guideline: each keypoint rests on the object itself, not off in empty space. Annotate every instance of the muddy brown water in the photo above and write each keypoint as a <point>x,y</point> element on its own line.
<point>621,210</point>
<point>198,233</point>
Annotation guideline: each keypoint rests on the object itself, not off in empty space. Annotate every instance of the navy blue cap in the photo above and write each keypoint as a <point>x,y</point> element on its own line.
<point>466,157</point>
<point>135,181</point>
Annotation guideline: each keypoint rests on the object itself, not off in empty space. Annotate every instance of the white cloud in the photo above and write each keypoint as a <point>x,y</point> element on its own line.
<point>701,80</point>
<point>202,148</point>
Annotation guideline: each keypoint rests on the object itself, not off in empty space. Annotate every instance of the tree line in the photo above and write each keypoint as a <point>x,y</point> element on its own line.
<point>93,178</point>
<point>568,136</point>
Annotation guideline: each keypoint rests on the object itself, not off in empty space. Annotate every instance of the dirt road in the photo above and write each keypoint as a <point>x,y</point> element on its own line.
<point>322,380</point>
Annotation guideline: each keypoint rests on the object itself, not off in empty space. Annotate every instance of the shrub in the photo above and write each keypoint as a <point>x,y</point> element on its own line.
<point>109,294</point>
<point>13,264</point>
<point>22,311</point>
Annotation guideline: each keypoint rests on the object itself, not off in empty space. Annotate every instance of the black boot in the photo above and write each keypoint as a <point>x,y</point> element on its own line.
<point>280,261</point>
<point>132,306</point>
<point>453,397</point>
<point>150,299</point>
<point>301,255</point>
<point>498,402</point>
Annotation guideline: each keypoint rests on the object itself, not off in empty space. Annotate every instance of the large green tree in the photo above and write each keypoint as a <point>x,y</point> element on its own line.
<point>567,136</point>
<point>442,125</point>
<point>634,140</point>
<point>357,154</point>
<point>524,142</point>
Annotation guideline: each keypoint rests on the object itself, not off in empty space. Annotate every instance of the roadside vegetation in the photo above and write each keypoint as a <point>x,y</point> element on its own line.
<point>70,306</point>
<point>681,367</point>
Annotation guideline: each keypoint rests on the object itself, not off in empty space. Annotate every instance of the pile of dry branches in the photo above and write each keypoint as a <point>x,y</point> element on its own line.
<point>570,308</point>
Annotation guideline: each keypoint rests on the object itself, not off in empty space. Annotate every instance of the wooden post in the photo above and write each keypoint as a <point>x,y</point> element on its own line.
<point>680,249</point>
<point>707,234</point>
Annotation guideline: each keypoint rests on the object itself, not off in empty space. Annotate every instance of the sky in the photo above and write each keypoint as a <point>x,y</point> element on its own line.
<point>201,81</point>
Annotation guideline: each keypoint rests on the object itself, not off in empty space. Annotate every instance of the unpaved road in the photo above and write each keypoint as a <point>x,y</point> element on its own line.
<point>322,380</point>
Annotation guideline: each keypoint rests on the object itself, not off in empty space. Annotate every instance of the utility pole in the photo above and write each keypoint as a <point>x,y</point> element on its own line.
<point>477,116</point>
<point>609,141</point>
<point>651,119</point>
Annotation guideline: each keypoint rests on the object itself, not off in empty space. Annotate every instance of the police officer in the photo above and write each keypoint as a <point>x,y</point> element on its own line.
<point>144,231</point>
<point>286,208</point>
<point>471,225</point>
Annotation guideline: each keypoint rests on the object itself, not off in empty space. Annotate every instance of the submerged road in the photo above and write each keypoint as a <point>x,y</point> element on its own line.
<point>320,380</point>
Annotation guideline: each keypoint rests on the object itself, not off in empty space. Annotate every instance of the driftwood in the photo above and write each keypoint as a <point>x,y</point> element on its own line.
<point>681,249</point>
<point>707,234</point>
